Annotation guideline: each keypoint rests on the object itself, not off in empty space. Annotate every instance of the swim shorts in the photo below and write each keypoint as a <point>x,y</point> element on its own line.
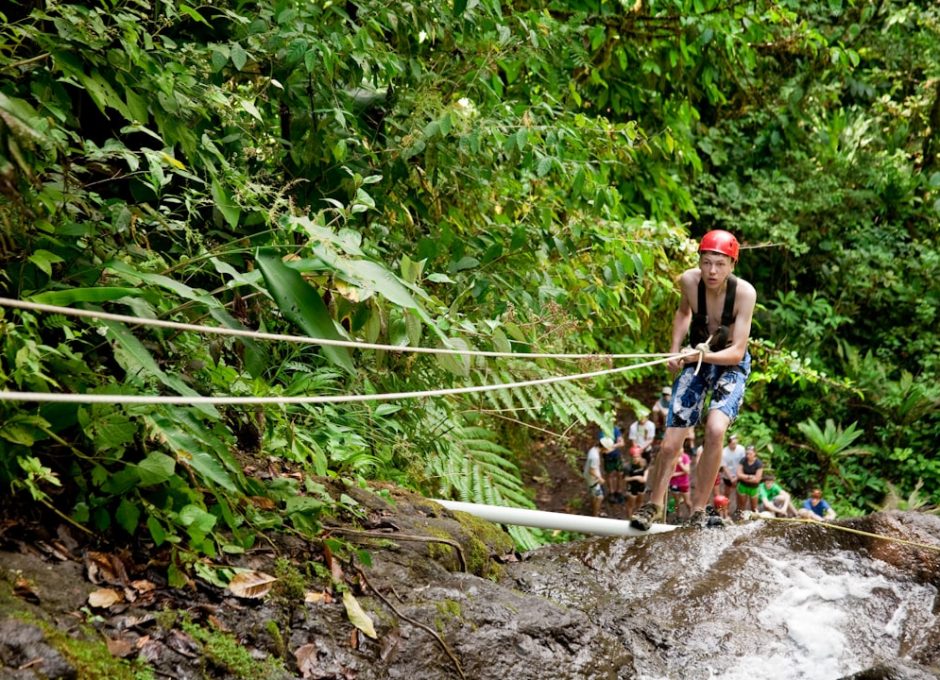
<point>725,384</point>
<point>613,462</point>
<point>751,491</point>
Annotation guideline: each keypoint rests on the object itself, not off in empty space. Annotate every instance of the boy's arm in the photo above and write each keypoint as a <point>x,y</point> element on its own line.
<point>682,319</point>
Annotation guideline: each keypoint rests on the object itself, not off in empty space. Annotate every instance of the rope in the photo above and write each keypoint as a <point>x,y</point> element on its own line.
<point>302,339</point>
<point>702,348</point>
<point>58,397</point>
<point>839,527</point>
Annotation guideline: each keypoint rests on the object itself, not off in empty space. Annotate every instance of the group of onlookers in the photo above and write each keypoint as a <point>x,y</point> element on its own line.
<point>614,479</point>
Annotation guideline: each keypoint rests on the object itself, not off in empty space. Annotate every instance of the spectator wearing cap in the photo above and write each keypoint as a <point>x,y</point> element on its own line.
<point>731,457</point>
<point>642,431</point>
<point>613,468</point>
<point>660,410</point>
<point>592,473</point>
<point>772,498</point>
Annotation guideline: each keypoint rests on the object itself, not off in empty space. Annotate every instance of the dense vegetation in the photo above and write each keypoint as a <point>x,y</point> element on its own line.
<point>465,175</point>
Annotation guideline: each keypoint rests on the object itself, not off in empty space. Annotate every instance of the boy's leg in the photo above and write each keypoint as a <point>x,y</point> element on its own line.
<point>710,460</point>
<point>664,464</point>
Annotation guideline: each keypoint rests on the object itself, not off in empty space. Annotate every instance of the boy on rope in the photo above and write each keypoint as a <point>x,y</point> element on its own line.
<point>716,309</point>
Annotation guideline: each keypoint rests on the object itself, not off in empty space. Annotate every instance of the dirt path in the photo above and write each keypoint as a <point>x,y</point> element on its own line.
<point>553,467</point>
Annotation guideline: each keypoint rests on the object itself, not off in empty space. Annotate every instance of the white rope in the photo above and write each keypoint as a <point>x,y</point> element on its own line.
<point>321,399</point>
<point>702,349</point>
<point>259,335</point>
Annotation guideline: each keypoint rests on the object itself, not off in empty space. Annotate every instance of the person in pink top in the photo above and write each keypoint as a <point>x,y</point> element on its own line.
<point>679,486</point>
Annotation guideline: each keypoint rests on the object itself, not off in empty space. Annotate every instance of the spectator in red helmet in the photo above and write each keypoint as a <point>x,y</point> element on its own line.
<point>721,505</point>
<point>715,310</point>
<point>635,478</point>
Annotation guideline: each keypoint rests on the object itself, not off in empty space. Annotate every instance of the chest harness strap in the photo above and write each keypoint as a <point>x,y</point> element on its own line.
<point>699,329</point>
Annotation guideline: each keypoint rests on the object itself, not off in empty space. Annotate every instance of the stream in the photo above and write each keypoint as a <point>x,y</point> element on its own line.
<point>766,600</point>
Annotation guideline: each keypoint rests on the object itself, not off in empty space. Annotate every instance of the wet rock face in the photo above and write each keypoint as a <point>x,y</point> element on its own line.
<point>490,629</point>
<point>766,599</point>
<point>25,654</point>
<point>449,599</point>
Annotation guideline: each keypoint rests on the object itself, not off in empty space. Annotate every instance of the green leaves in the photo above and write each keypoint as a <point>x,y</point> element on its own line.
<point>223,201</point>
<point>44,260</point>
<point>155,469</point>
<point>64,298</point>
<point>24,429</point>
<point>302,305</point>
<point>194,452</point>
<point>107,427</point>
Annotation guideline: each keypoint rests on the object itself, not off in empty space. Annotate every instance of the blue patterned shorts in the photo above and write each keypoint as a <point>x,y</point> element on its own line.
<point>724,383</point>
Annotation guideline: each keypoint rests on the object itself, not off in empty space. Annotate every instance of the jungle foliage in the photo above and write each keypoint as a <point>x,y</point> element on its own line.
<point>465,175</point>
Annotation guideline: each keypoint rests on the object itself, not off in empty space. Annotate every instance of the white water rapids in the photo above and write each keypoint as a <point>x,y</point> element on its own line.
<point>749,601</point>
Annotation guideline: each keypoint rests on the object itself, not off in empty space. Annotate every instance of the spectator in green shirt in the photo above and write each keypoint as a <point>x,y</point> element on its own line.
<point>772,498</point>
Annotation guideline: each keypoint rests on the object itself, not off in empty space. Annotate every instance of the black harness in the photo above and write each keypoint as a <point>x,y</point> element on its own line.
<point>699,329</point>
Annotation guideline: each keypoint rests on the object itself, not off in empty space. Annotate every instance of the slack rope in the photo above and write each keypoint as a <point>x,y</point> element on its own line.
<point>302,339</point>
<point>850,530</point>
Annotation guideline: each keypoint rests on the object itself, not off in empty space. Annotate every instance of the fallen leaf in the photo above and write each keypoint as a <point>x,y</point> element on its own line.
<point>183,644</point>
<point>357,615</point>
<point>104,598</point>
<point>53,550</point>
<point>251,584</point>
<point>336,571</point>
<point>143,586</point>
<point>262,502</point>
<point>119,647</point>
<point>306,656</point>
<point>389,645</point>
<point>100,568</point>
<point>25,589</point>
<point>315,597</point>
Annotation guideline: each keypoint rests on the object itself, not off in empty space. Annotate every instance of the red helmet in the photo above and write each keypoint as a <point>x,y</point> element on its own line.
<point>721,501</point>
<point>720,241</point>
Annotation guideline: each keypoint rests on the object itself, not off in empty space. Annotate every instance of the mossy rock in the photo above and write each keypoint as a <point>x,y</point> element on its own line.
<point>479,540</point>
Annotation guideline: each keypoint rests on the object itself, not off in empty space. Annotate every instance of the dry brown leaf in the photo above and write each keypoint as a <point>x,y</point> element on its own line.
<point>262,502</point>
<point>120,647</point>
<point>143,586</point>
<point>336,570</point>
<point>104,598</point>
<point>315,597</point>
<point>306,656</point>
<point>100,568</point>
<point>251,584</point>
<point>25,589</point>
